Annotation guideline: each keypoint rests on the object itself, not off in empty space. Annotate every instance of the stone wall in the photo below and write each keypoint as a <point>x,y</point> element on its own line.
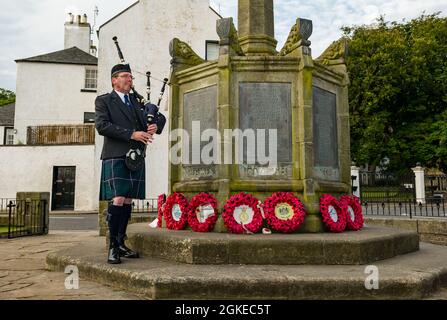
<point>430,230</point>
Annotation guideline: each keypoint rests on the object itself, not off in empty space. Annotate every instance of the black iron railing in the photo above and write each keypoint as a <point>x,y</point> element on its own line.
<point>433,207</point>
<point>20,218</point>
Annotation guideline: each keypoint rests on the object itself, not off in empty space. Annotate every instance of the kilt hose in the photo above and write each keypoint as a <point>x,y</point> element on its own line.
<point>118,181</point>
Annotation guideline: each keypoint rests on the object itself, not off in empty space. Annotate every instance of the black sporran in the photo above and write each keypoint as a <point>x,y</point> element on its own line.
<point>135,159</point>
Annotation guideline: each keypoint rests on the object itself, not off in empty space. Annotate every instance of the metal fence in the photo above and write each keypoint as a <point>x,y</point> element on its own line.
<point>382,187</point>
<point>394,195</point>
<point>144,206</point>
<point>435,185</point>
<point>61,135</point>
<point>434,208</point>
<point>20,218</point>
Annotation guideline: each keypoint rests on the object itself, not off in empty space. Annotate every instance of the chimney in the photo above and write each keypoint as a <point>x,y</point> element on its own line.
<point>70,18</point>
<point>77,32</point>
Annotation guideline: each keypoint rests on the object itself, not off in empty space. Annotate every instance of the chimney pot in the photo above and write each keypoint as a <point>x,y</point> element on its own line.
<point>84,19</point>
<point>70,17</point>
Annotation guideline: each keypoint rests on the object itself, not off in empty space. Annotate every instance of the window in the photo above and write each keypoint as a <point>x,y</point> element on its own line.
<point>212,50</point>
<point>91,79</point>
<point>89,117</point>
<point>9,136</point>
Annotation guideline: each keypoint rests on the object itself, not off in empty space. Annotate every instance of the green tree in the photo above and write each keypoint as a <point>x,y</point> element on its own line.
<point>398,92</point>
<point>6,97</point>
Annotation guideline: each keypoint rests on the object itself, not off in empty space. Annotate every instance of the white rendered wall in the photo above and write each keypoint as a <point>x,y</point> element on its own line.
<point>77,36</point>
<point>2,135</point>
<point>30,169</point>
<point>144,33</point>
<point>50,94</point>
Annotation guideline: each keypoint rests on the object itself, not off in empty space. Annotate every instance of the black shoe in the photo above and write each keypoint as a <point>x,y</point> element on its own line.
<point>125,252</point>
<point>114,256</point>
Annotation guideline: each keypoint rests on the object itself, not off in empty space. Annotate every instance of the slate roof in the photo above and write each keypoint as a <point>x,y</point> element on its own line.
<point>72,55</point>
<point>7,115</point>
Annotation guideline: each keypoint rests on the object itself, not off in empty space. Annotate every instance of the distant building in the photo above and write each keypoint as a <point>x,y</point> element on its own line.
<point>53,124</point>
<point>7,124</point>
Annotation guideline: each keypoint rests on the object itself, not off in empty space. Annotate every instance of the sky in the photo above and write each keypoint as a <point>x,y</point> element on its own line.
<point>29,27</point>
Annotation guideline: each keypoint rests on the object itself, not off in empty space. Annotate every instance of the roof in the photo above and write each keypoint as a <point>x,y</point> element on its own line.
<point>72,55</point>
<point>7,115</point>
<point>132,5</point>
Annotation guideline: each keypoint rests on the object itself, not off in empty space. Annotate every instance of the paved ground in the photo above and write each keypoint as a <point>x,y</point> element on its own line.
<point>23,274</point>
<point>74,222</point>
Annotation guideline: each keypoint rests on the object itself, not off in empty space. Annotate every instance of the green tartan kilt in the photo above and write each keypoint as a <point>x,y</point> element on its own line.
<point>118,181</point>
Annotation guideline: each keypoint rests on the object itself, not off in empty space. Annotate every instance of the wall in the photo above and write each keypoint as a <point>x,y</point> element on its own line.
<point>144,32</point>
<point>50,94</point>
<point>30,169</point>
<point>2,135</point>
<point>77,35</point>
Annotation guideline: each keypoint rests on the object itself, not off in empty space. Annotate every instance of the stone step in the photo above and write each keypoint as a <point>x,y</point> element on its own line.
<point>412,276</point>
<point>350,248</point>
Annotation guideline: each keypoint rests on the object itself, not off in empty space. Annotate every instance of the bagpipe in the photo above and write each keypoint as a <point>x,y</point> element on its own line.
<point>151,111</point>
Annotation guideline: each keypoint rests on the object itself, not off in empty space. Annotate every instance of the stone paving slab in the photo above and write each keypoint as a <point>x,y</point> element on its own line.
<point>23,274</point>
<point>416,275</point>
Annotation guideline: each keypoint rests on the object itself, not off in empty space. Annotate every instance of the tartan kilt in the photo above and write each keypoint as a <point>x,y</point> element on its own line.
<point>118,181</point>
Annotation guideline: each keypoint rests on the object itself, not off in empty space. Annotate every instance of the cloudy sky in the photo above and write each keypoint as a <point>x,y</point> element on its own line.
<point>30,27</point>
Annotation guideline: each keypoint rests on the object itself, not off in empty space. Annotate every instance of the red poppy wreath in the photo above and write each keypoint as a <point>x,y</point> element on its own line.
<point>202,213</point>
<point>160,203</point>
<point>334,213</point>
<point>176,211</point>
<point>284,212</point>
<point>354,215</point>
<point>241,214</point>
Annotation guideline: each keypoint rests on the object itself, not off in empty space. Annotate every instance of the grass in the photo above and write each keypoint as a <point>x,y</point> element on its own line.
<point>4,229</point>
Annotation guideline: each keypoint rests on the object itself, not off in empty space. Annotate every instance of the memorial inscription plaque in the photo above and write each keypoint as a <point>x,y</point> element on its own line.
<point>267,106</point>
<point>199,106</point>
<point>325,134</point>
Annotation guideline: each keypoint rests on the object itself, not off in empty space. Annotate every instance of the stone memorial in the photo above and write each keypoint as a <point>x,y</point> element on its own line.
<point>251,87</point>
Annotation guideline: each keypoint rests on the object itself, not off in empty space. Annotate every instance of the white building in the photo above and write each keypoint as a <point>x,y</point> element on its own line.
<point>144,31</point>
<point>53,125</point>
<point>7,124</point>
<point>54,138</point>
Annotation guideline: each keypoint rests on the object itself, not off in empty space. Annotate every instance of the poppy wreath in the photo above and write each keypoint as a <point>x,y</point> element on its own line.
<point>176,199</point>
<point>334,213</point>
<point>195,205</point>
<point>235,203</point>
<point>284,212</point>
<point>354,215</point>
<point>160,203</point>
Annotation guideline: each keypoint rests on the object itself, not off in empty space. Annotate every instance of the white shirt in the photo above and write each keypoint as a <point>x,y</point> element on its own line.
<point>121,95</point>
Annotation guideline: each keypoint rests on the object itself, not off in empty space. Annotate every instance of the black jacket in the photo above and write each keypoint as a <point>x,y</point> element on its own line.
<point>116,122</point>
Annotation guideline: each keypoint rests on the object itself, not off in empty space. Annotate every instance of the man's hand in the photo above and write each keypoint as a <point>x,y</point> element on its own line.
<point>142,136</point>
<point>152,129</point>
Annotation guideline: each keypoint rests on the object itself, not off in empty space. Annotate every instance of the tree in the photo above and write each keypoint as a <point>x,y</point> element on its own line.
<point>398,92</point>
<point>6,97</point>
